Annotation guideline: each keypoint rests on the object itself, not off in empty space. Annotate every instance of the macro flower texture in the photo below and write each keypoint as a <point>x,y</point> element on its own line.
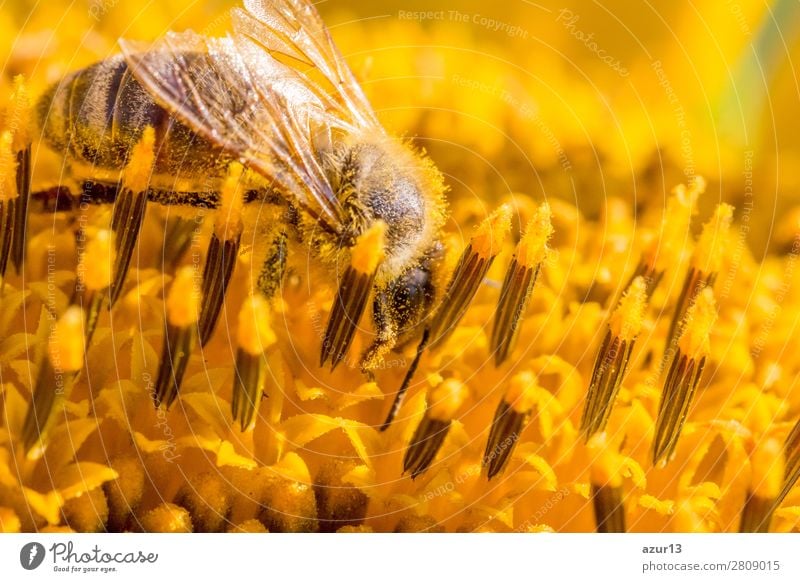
<point>599,337</point>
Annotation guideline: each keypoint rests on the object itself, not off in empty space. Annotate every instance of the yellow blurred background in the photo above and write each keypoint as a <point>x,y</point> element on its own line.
<point>579,99</point>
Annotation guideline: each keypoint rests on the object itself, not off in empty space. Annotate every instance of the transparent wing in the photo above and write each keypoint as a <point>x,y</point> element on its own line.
<point>293,28</point>
<point>240,93</point>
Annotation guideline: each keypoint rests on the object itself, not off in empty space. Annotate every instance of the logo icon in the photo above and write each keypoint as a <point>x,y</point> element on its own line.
<point>31,555</point>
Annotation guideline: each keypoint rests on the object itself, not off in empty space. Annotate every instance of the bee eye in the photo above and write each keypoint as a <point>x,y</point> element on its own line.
<point>352,294</point>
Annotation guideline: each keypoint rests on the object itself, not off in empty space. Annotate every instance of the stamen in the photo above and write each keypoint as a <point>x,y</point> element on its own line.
<point>791,453</point>
<point>519,282</point>
<point>663,251</point>
<point>8,200</point>
<point>95,273</point>
<point>400,396</point>
<point>178,233</point>
<point>222,252</point>
<point>613,358</point>
<point>183,303</point>
<point>351,297</point>
<point>444,401</point>
<point>606,479</point>
<point>255,336</point>
<point>705,264</point>
<point>18,118</point>
<point>684,375</point>
<point>64,358</point>
<point>510,418</point>
<point>470,272</point>
<point>767,476</point>
<point>129,208</point>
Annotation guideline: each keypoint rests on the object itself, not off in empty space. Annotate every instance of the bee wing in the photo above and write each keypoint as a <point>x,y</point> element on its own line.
<point>237,93</point>
<point>293,28</point>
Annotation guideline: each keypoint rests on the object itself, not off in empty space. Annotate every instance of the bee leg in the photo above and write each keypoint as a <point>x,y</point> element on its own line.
<point>274,267</point>
<point>351,297</point>
<point>401,392</point>
<point>385,339</point>
<point>129,209</point>
<point>222,252</point>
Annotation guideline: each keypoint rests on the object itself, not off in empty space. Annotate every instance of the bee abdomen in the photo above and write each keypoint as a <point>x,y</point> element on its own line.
<point>96,115</point>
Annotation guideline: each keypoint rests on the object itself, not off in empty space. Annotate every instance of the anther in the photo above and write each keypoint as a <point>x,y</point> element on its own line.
<point>444,400</point>
<point>130,207</point>
<point>8,200</point>
<point>767,475</point>
<point>351,297</point>
<point>510,418</point>
<point>469,273</point>
<point>222,251</point>
<point>18,119</point>
<point>180,336</point>
<point>684,374</point>
<point>254,337</point>
<point>606,480</point>
<point>95,272</point>
<point>703,268</point>
<point>519,282</point>
<point>613,358</point>
<point>64,358</point>
<point>664,250</point>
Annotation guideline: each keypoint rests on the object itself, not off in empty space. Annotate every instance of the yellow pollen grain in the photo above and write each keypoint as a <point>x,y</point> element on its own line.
<point>521,394</point>
<point>767,469</point>
<point>255,334</point>
<point>8,168</point>
<point>488,239</point>
<point>140,164</point>
<point>707,256</point>
<point>700,318</point>
<point>65,348</point>
<point>446,398</point>
<point>18,115</point>
<point>369,249</point>
<point>98,260</point>
<point>626,321</point>
<point>228,221</point>
<point>607,464</point>
<point>183,299</point>
<point>532,248</point>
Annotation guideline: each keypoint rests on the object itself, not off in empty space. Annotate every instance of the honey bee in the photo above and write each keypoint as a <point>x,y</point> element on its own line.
<point>275,99</point>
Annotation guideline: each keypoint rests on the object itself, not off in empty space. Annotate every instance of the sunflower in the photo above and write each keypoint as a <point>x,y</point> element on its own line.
<point>607,354</point>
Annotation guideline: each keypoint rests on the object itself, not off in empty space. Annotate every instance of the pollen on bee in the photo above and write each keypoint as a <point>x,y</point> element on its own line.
<point>509,421</point>
<point>369,249</point>
<point>444,401</point>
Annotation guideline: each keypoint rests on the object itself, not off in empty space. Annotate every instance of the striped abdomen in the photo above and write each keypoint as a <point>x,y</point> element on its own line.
<point>96,115</point>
